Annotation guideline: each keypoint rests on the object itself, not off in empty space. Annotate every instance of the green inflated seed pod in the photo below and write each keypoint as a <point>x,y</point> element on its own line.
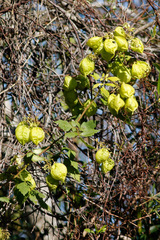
<point>123,73</point>
<point>82,82</point>
<point>37,135</point>
<point>131,104</point>
<point>107,165</point>
<point>119,31</point>
<point>102,155</point>
<point>122,43</point>
<point>137,45</point>
<point>110,46</point>
<point>94,42</point>
<point>105,55</point>
<point>126,90</point>
<point>22,133</point>
<point>59,171</point>
<point>99,49</point>
<point>71,98</point>
<point>140,69</point>
<point>116,103</point>
<point>86,66</point>
<point>69,83</point>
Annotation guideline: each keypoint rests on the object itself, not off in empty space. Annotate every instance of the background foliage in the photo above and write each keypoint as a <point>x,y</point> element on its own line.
<point>40,43</point>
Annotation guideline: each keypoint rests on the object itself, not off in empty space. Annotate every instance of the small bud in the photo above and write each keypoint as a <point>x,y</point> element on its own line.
<point>137,45</point>
<point>140,69</point>
<point>131,104</point>
<point>126,90</point>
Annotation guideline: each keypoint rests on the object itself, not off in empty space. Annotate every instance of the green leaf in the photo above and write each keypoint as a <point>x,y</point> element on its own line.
<point>88,230</point>
<point>110,84</point>
<point>70,153</point>
<point>113,79</point>
<point>104,92</point>
<point>105,102</point>
<point>158,85</point>
<point>36,158</point>
<point>97,85</point>
<point>4,199</point>
<point>39,194</point>
<point>19,196</point>
<point>157,66</point>
<point>89,133</point>
<point>87,128</point>
<point>86,144</point>
<point>103,229</point>
<point>76,176</point>
<point>96,76</point>
<point>64,125</point>
<point>153,32</point>
<point>42,203</point>
<point>37,151</point>
<point>70,135</point>
<point>72,168</point>
<point>23,188</point>
<point>33,198</point>
<point>154,228</point>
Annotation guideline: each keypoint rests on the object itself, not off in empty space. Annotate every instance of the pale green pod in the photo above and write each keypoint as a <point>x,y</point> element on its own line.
<point>102,155</point>
<point>131,104</point>
<point>59,171</point>
<point>119,31</point>
<point>122,43</point>
<point>69,83</point>
<point>140,69</point>
<point>99,49</point>
<point>126,90</point>
<point>116,103</point>
<point>107,165</point>
<point>106,55</point>
<point>71,98</point>
<point>37,135</point>
<point>123,73</point>
<point>86,66</point>
<point>110,46</point>
<point>137,45</point>
<point>22,133</point>
<point>82,82</point>
<point>94,42</point>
